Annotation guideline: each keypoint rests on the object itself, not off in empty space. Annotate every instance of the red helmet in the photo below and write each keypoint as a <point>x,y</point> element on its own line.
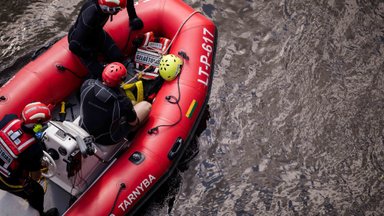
<point>113,3</point>
<point>35,113</point>
<point>113,74</point>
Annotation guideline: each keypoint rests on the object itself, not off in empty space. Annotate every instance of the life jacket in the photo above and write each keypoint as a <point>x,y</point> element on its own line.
<point>148,55</point>
<point>146,64</point>
<point>13,141</point>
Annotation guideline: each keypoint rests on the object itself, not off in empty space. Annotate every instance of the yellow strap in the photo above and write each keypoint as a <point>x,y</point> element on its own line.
<point>128,86</point>
<point>139,88</point>
<point>140,91</point>
<point>130,95</point>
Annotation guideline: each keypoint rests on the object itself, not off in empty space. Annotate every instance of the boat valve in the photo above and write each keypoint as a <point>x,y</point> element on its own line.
<point>136,158</point>
<point>60,67</point>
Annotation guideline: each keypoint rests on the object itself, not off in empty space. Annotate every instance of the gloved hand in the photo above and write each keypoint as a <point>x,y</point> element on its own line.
<point>136,23</point>
<point>39,135</point>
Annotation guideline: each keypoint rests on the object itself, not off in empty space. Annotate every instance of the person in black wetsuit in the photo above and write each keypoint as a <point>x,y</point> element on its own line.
<point>21,155</point>
<point>105,110</point>
<point>87,38</point>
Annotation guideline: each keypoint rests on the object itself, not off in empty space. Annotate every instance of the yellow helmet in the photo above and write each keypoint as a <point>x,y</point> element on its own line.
<point>170,67</point>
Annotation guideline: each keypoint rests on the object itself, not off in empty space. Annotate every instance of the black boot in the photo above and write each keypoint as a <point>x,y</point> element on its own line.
<point>51,212</point>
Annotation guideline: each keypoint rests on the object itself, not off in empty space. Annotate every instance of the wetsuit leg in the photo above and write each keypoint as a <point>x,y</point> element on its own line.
<point>95,68</point>
<point>111,52</point>
<point>88,57</point>
<point>107,47</point>
<point>35,196</point>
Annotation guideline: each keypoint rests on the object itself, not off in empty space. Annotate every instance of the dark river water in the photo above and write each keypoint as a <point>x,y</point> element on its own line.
<point>296,113</point>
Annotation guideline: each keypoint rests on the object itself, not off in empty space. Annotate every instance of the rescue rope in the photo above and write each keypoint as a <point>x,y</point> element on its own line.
<point>155,130</point>
<point>181,26</point>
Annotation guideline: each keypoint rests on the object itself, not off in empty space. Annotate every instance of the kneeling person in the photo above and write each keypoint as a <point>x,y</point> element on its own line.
<point>22,153</point>
<point>106,112</point>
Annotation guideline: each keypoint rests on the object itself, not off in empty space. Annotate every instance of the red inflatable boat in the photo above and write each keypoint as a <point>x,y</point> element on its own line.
<point>118,179</point>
